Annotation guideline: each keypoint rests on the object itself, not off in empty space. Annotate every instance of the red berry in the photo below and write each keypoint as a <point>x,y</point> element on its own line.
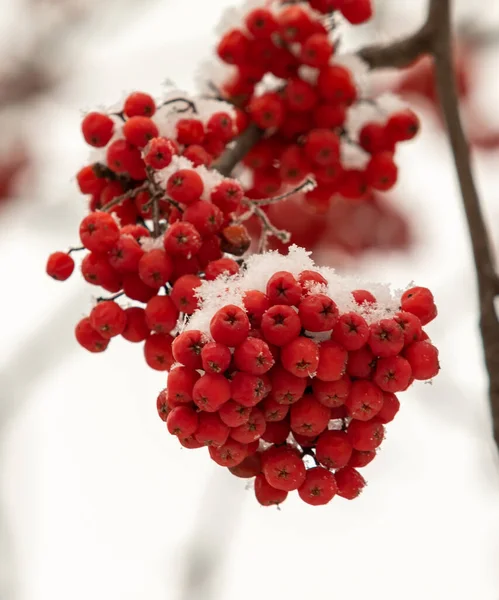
<point>335,84</point>
<point>261,23</point>
<point>283,468</point>
<point>361,458</point>
<point>300,357</point>
<point>319,487</point>
<point>280,325</point>
<point>332,393</point>
<point>136,231</point>
<point>382,172</point>
<point>420,302</point>
<point>308,279</point>
<point>182,239</point>
<point>351,331</point>
<point>211,430</point>
<point>423,358</point>
<point>190,131</point>
<point>356,11</point>
<point>183,293</point>
<point>227,195</point>
<point>139,131</point>
<point>180,384</point>
<point>365,435</point>
<point>205,216</point>
<point>182,421</point>
<point>332,361</point>
<point>308,416</point>
<point>251,430</point>
<point>139,104</point>
<point>253,356</point>
<point>221,126</point>
<point>363,296</point>
<point>230,326</point>
<point>125,255</point>
<point>333,449</point>
<point>403,126</point>
<point>89,181</point>
<point>386,338</point>
<point>318,313</point>
<point>390,408</point>
<point>185,186</point>
<point>350,483</point>
<point>286,387</point>
<point>266,494</point>
<point>234,414</point>
<point>294,24</point>
<point>211,391</point>
<point>233,47</point>
<point>124,158</point>
<point>161,314</point>
<point>273,410</point>
<point>316,50</point>
<point>89,338</point>
<point>276,432</point>
<point>136,289</point>
<point>282,288</point>
<point>299,95</point>
<point>268,110</point>
<point>364,400</point>
<point>410,325</point>
<point>136,329</point>
<point>222,266</point>
<point>215,358</point>
<point>97,129</point>
<point>373,138</point>
<point>99,232</point>
<point>108,318</point>
<point>294,165</point>
<point>159,153</point>
<point>322,147</point>
<point>162,405</point>
<point>361,363</point>
<point>231,454</point>
<point>393,374</point>
<point>247,389</point>
<point>190,442</point>
<point>60,266</point>
<point>255,303</point>
<point>187,348</point>
<point>155,268</point>
<point>198,156</point>
<point>158,351</point>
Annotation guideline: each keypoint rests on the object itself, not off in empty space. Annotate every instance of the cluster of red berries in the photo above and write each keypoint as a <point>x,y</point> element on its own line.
<point>192,234</point>
<point>291,391</point>
<point>306,119</point>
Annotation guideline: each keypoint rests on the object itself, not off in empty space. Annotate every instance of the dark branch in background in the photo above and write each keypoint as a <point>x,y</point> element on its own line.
<point>435,38</point>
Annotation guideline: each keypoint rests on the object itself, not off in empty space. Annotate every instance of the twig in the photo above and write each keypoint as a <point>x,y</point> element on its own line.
<point>229,159</point>
<point>268,229</point>
<point>190,104</point>
<point>111,298</point>
<point>306,185</point>
<point>488,282</point>
<point>79,249</point>
<point>126,196</point>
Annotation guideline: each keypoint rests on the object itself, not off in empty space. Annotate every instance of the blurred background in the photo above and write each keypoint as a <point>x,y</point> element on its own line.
<point>96,499</point>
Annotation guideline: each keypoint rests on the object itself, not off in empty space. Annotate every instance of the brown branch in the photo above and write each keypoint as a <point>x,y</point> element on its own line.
<point>243,144</point>
<point>440,15</point>
<point>127,195</point>
<point>400,53</point>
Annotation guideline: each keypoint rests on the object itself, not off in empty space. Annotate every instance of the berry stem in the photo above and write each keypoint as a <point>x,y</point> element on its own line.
<point>307,185</point>
<point>119,199</point>
<point>267,228</point>
<point>111,298</point>
<point>189,104</point>
<point>231,157</point>
<point>76,249</point>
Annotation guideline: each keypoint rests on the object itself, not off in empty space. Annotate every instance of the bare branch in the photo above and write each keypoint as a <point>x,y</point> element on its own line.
<point>126,196</point>
<point>400,53</point>
<point>243,144</point>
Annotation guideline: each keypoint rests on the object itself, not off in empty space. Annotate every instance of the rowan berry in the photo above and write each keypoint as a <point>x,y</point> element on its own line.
<point>253,356</point>
<point>332,361</point>
<point>182,421</point>
<point>286,387</point>
<point>268,110</point>
<point>390,408</point>
<point>190,131</point>
<point>182,239</point>
<point>365,435</point>
<point>316,50</point>
<point>139,104</point>
<point>231,454</point>
<point>125,255</point>
<point>273,410</point>
<point>158,153</point>
<point>251,430</point>
<point>363,297</point>
<point>187,348</point>
<point>198,155</point>
<point>308,417</point>
<point>180,384</point>
<point>403,126</point>
<point>332,393</point>
<point>155,268</point>
<point>185,186</point>
<point>136,289</point>
<point>381,171</point>
<point>333,449</point>
<point>255,304</point>
<point>230,326</point>
<point>183,293</point>
<point>423,358</point>
<point>294,24</point>
<point>410,325</point>
<point>283,468</point>
<point>349,482</point>
<point>294,165</point>
<point>89,181</point>
<point>364,400</point>
<point>89,338</point>
<point>108,318</point>
<point>158,351</point>
<point>136,329</point>
<point>222,266</point>
<point>335,84</point>
<point>351,331</point>
<point>60,266</point>
<point>393,374</point>
<point>211,391</point>
<point>361,458</point>
<point>361,363</point>
<point>211,430</point>
<point>221,126</point>
<point>283,288</point>
<point>227,195</point>
<point>322,147</point>
<point>206,217</point>
<point>233,47</point>
<point>234,414</point>
<point>97,129</point>
<point>99,232</point>
<point>267,495</point>
<point>420,302</point>
<point>356,11</point>
<point>386,338</point>
<point>247,389</point>
<point>300,357</point>
<point>139,131</point>
<point>161,314</point>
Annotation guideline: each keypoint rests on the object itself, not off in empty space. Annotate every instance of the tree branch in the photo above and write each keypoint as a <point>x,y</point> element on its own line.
<point>440,15</point>
<point>243,144</point>
<point>400,53</point>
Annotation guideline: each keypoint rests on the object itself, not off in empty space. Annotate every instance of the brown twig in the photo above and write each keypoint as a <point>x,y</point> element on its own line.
<point>307,184</point>
<point>126,196</point>
<point>231,157</point>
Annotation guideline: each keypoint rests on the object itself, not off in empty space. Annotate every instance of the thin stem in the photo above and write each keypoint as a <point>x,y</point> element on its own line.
<point>488,286</point>
<point>231,157</point>
<point>111,298</point>
<point>268,229</point>
<point>79,249</point>
<point>308,184</point>
<point>190,104</point>
<point>126,196</point>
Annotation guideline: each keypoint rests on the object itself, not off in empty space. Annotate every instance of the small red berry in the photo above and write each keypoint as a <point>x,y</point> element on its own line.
<point>350,483</point>
<point>332,393</point>
<point>161,314</point>
<point>318,312</point>
<point>158,153</point>
<point>230,326</point>
<point>139,104</point>
<point>420,302</point>
<point>234,414</point>
<point>322,147</point>
<point>300,357</point>
<point>60,266</point>
<point>308,416</point>
<point>182,239</point>
<point>333,449</point>
<point>231,454</point>
<point>319,487</point>
<point>89,338</point>
<point>351,331</point>
<point>365,435</point>
<point>283,468</point>
<point>180,383</point>
<point>386,338</point>
<point>139,131</point>
<point>393,374</point>
<point>185,186</point>
<point>211,391</point>
<point>261,23</point>
<point>108,318</point>
<point>136,329</point>
<point>423,358</point>
<point>190,131</point>
<point>251,430</point>
<point>316,50</point>
<point>222,266</point>
<point>187,348</point>
<point>158,351</point>
<point>215,357</point>
<point>280,325</point>
<point>268,495</point>
<point>268,110</point>
<point>97,129</point>
<point>332,361</point>
<point>99,232</point>
<point>183,293</point>
<point>390,408</point>
<point>364,401</point>
<point>182,421</point>
<point>211,430</point>
<point>286,387</point>
<point>155,268</point>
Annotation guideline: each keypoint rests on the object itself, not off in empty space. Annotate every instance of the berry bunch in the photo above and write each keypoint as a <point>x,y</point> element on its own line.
<point>311,102</point>
<point>291,378</point>
<point>159,220</point>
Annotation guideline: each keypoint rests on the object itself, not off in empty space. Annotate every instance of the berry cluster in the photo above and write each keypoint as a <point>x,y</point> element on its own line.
<point>159,220</point>
<point>316,119</point>
<point>296,373</point>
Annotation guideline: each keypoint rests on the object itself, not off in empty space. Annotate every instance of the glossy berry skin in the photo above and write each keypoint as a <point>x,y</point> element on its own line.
<point>308,416</point>
<point>333,450</point>
<point>97,129</point>
<point>266,494</point>
<point>420,302</point>
<point>423,358</point>
<point>300,357</point>
<point>364,401</point>
<point>108,318</point>
<point>99,232</point>
<point>349,482</point>
<point>284,469</point>
<point>210,392</point>
<point>139,104</point>
<point>230,326</point>
<point>60,266</point>
<point>253,356</point>
<point>318,313</point>
<point>88,338</point>
<point>365,435</point>
<point>158,351</point>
